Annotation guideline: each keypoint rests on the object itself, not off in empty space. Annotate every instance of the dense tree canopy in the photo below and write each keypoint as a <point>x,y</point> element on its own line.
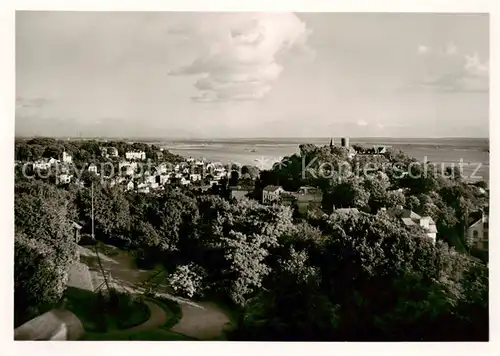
<point>44,246</point>
<point>324,275</point>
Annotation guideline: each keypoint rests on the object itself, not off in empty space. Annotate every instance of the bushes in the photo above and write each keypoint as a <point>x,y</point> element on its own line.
<point>39,282</point>
<point>137,314</point>
<point>187,280</point>
<point>102,313</point>
<point>126,309</point>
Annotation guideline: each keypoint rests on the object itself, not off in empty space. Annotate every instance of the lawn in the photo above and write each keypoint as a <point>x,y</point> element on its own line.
<point>96,319</point>
<point>174,313</point>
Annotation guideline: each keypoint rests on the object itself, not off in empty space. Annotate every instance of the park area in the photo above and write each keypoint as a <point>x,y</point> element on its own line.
<point>135,304</point>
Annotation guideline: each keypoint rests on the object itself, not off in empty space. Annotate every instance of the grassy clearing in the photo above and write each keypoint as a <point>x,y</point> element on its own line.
<point>174,313</point>
<point>122,312</point>
<point>108,250</point>
<point>138,313</point>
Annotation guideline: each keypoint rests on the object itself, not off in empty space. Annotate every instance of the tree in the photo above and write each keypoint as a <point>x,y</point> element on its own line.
<point>44,246</point>
<point>396,198</point>
<point>377,187</point>
<point>413,203</point>
<point>44,213</point>
<point>233,180</point>
<point>111,212</point>
<point>22,152</point>
<point>253,171</point>
<point>247,268</point>
<point>36,151</point>
<point>348,194</point>
<point>39,281</point>
<point>292,308</point>
<point>54,151</point>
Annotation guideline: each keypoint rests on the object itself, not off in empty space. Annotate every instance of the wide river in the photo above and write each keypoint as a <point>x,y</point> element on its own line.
<point>474,153</point>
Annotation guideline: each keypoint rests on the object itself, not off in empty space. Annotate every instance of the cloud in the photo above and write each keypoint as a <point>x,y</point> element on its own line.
<point>451,49</point>
<point>242,54</point>
<point>450,70</point>
<point>422,49</point>
<point>362,123</point>
<point>25,103</point>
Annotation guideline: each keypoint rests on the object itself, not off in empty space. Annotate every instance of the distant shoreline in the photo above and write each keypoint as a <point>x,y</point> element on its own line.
<point>445,141</point>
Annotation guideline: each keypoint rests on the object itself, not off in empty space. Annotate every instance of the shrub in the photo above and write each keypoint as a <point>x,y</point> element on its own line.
<point>187,280</point>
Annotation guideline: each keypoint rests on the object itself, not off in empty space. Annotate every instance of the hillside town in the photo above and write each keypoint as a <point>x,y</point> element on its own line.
<point>132,172</point>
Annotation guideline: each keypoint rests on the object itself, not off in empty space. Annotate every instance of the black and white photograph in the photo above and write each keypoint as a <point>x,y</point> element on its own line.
<point>251,176</point>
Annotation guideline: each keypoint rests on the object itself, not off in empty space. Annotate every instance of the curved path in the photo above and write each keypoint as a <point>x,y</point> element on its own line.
<point>204,322</point>
<point>200,320</point>
<point>157,318</point>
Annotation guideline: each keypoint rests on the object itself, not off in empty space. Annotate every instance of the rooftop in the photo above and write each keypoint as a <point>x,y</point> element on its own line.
<point>403,213</point>
<point>239,187</point>
<point>347,210</point>
<point>271,188</point>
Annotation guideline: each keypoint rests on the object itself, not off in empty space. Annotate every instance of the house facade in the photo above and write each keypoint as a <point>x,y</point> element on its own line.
<point>76,231</point>
<point>66,158</point>
<point>143,188</point>
<point>93,168</point>
<point>194,177</point>
<point>271,193</point>
<point>41,164</point>
<point>308,198</point>
<point>63,179</point>
<point>410,218</point>
<point>138,155</point>
<point>478,233</point>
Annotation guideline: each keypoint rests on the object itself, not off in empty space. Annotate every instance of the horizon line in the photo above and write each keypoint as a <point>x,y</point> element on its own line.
<point>201,138</point>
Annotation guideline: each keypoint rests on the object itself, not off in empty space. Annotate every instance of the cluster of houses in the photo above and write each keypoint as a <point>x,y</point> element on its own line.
<point>205,175</point>
<point>410,218</point>
<point>133,176</point>
<point>304,199</point>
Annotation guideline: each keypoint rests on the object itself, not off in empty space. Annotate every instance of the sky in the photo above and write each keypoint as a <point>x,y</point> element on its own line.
<point>226,75</point>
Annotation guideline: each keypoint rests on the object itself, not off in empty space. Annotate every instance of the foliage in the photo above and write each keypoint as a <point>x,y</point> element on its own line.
<point>44,245</point>
<point>44,213</point>
<point>187,280</point>
<point>111,211</point>
<point>84,151</point>
<point>326,275</point>
<point>38,281</point>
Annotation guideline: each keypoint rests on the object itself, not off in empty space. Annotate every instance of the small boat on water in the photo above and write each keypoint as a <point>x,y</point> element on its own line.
<point>252,151</point>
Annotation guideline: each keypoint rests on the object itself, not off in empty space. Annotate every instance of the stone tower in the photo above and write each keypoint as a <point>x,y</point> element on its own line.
<point>344,141</point>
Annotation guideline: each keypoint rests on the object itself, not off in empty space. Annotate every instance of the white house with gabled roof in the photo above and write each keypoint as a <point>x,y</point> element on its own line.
<point>271,193</point>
